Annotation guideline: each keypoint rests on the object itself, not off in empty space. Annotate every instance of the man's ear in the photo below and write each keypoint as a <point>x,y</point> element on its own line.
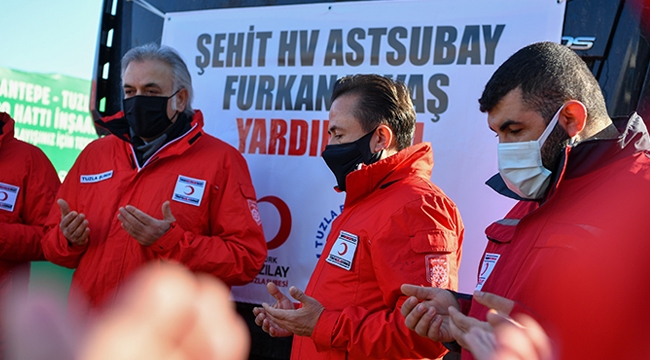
<point>181,100</point>
<point>573,117</point>
<point>384,137</point>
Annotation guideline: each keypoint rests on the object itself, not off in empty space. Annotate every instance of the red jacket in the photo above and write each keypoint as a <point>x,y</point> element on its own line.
<point>397,227</point>
<point>217,228</point>
<point>579,262</point>
<point>28,184</point>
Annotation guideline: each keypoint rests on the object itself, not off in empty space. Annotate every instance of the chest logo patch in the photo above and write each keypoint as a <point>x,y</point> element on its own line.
<point>489,262</point>
<point>188,190</point>
<point>8,195</point>
<point>89,179</point>
<point>342,252</point>
<point>437,270</point>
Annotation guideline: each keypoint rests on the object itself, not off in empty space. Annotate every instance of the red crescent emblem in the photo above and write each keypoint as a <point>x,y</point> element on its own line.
<point>4,196</point>
<point>285,221</point>
<point>485,267</point>
<point>345,249</point>
<point>190,191</point>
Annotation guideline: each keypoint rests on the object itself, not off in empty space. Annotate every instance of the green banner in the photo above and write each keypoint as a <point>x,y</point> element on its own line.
<point>51,111</point>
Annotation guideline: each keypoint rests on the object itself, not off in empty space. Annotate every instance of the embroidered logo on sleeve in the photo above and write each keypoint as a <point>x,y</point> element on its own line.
<point>437,270</point>
<point>88,179</point>
<point>8,195</point>
<point>188,190</point>
<point>342,252</point>
<point>489,262</point>
<point>255,213</point>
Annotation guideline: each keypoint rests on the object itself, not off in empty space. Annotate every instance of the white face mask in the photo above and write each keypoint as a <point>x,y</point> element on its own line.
<point>520,164</point>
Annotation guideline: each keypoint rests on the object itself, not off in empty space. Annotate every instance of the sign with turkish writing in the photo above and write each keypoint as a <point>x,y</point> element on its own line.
<point>51,112</point>
<point>263,77</point>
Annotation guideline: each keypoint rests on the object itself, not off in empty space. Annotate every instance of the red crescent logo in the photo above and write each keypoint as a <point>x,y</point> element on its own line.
<point>485,267</point>
<point>345,249</point>
<point>190,191</point>
<point>4,195</point>
<point>285,221</point>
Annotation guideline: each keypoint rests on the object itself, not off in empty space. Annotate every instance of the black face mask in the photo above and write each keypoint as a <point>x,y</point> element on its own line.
<point>343,159</point>
<point>147,115</point>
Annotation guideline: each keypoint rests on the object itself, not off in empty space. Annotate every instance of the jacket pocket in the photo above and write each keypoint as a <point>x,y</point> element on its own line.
<point>437,248</point>
<point>434,241</point>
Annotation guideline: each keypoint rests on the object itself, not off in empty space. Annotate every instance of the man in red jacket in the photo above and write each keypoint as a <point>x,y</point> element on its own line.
<point>28,184</point>
<point>396,227</point>
<point>158,188</point>
<point>572,253</point>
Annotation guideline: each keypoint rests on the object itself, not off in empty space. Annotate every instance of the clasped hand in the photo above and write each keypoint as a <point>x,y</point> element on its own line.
<point>141,226</point>
<point>283,319</point>
<point>434,313</point>
<point>73,225</point>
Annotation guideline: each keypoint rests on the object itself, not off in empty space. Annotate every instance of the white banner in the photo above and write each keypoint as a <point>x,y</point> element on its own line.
<point>263,76</point>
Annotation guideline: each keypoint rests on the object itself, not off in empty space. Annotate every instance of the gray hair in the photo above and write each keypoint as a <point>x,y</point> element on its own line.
<point>165,54</point>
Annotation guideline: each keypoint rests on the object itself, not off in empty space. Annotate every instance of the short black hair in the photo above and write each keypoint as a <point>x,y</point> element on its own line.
<point>548,74</point>
<point>381,101</point>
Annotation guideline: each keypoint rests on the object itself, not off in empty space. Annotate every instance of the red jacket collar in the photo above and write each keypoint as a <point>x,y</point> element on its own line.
<point>416,160</point>
<point>118,126</point>
<point>576,161</point>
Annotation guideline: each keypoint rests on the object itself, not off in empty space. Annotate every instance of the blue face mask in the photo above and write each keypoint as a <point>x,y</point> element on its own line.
<point>343,159</point>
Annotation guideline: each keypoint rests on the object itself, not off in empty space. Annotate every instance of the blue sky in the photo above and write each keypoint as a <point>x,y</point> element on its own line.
<point>49,36</point>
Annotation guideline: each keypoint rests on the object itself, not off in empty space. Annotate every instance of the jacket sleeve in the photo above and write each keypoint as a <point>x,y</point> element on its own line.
<point>56,247</point>
<point>236,249</point>
<point>464,301</point>
<point>414,236</point>
<point>22,241</point>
